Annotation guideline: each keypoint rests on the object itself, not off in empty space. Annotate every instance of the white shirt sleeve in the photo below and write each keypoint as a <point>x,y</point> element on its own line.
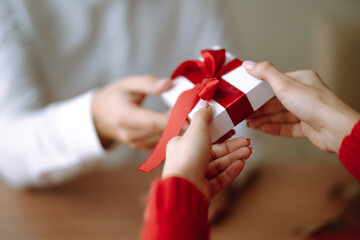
<point>51,145</point>
<point>39,145</point>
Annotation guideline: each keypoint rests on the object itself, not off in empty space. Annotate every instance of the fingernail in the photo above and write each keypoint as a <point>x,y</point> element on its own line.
<point>251,149</point>
<point>161,82</point>
<point>250,141</point>
<point>203,104</point>
<point>249,65</point>
<point>185,126</point>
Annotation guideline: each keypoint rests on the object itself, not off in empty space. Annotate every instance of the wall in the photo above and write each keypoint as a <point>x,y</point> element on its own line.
<point>283,30</point>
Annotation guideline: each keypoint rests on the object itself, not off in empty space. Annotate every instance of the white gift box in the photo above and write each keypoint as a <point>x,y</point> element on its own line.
<point>256,91</point>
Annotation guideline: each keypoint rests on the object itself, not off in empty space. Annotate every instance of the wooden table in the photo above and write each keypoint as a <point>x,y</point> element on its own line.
<point>106,205</point>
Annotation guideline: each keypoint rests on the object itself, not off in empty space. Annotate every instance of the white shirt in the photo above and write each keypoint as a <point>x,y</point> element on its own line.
<point>53,54</point>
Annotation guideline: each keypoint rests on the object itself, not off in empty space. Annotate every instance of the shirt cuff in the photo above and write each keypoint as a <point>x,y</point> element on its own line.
<point>349,153</point>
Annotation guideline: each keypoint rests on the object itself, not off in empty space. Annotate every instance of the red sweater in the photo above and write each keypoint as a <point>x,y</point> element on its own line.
<point>176,209</point>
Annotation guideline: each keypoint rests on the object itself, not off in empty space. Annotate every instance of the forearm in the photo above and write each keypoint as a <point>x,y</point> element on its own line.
<point>338,119</point>
<point>176,209</point>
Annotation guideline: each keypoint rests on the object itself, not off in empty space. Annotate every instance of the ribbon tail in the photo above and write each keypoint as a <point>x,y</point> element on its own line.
<point>184,104</point>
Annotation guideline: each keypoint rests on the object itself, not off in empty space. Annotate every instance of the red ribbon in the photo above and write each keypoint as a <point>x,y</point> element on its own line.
<point>206,75</point>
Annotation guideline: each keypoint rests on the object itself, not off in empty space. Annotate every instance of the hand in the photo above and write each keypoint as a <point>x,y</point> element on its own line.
<point>304,107</point>
<point>210,167</point>
<point>118,116</point>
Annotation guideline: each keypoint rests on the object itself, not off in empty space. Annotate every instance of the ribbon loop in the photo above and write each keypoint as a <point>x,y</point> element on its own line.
<point>213,61</point>
<point>206,77</point>
<point>208,88</point>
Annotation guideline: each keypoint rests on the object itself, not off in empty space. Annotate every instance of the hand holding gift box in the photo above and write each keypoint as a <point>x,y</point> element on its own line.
<point>218,78</point>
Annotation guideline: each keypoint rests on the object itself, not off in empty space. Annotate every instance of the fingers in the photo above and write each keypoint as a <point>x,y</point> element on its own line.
<point>271,107</point>
<point>138,138</point>
<point>217,166</point>
<point>186,125</point>
<point>284,130</point>
<point>225,178</point>
<point>140,128</point>
<point>222,149</point>
<point>173,141</point>
<point>227,135</point>
<point>269,73</point>
<point>147,84</point>
<point>146,119</point>
<point>282,117</point>
<point>201,119</point>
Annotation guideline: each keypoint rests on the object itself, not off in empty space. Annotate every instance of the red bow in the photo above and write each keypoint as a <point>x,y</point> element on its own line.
<point>206,75</point>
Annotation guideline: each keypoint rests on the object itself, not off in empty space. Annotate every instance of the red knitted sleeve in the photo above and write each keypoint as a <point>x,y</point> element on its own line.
<point>176,209</point>
<point>349,153</point>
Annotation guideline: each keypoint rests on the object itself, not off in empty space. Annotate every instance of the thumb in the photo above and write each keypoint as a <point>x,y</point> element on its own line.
<point>266,71</point>
<point>202,118</point>
<point>147,84</point>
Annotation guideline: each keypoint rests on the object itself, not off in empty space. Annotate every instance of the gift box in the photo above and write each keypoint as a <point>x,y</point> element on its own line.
<point>219,78</point>
<point>230,106</point>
